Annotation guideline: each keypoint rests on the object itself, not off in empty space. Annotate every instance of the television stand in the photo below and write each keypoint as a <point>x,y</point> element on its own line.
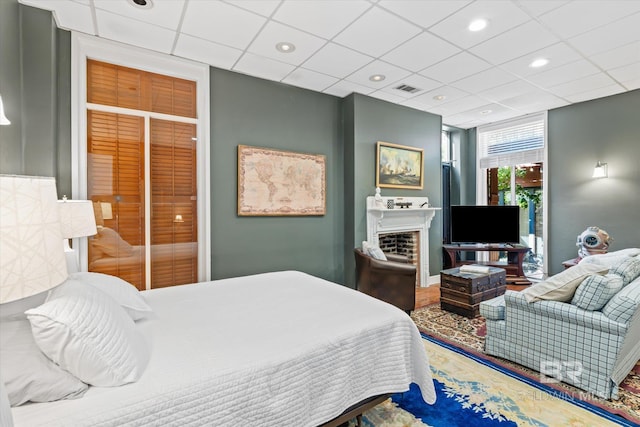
<point>513,266</point>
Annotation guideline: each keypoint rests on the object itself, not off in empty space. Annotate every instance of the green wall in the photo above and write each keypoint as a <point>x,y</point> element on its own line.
<point>375,120</point>
<point>605,129</point>
<point>35,79</point>
<point>246,110</point>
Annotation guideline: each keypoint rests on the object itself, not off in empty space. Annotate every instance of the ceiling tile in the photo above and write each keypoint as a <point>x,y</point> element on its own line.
<point>596,93</point>
<point>309,79</point>
<point>537,7</point>
<point>507,91</point>
<point>165,13</point>
<point>207,52</point>
<point>274,33</point>
<point>564,73</point>
<point>502,15</point>
<point>261,7</point>
<point>391,73</point>
<point>557,54</point>
<point>577,17</point>
<point>584,84</point>
<point>130,31</point>
<point>221,23</point>
<point>423,13</point>
<point>483,80</point>
<point>344,88</point>
<point>418,104</point>
<point>626,73</point>
<point>456,67</point>
<point>535,100</point>
<point>319,17</point>
<point>376,32</point>
<point>609,36</point>
<point>262,67</point>
<point>523,39</point>
<point>337,61</point>
<point>449,93</point>
<point>619,57</point>
<point>420,52</point>
<point>68,15</point>
<point>463,104</point>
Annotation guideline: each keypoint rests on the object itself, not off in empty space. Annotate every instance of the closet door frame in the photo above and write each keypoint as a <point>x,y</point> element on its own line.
<point>88,47</point>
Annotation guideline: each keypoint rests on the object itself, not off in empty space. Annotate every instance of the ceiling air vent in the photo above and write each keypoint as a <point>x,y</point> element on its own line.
<point>408,88</point>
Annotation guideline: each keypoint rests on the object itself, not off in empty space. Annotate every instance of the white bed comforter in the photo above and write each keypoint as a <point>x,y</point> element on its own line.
<point>275,349</point>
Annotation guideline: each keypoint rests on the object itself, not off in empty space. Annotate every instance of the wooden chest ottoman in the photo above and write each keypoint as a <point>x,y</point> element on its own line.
<point>462,292</point>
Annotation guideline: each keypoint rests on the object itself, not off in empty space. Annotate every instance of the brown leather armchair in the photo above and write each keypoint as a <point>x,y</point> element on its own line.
<point>392,281</point>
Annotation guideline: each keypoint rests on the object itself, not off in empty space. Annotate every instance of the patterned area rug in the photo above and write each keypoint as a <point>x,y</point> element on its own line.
<point>472,392</point>
<point>468,334</point>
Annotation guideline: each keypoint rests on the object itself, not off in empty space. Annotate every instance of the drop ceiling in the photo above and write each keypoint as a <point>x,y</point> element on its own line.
<point>469,78</point>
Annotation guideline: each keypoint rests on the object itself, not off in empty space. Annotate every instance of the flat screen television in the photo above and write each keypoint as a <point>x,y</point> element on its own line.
<point>485,224</point>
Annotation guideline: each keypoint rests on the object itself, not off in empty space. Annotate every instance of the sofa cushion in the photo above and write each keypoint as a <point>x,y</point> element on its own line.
<point>595,291</point>
<point>562,286</point>
<point>621,307</point>
<point>627,268</point>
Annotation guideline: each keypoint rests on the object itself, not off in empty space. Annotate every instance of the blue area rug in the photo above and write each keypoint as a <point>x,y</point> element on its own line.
<point>474,392</point>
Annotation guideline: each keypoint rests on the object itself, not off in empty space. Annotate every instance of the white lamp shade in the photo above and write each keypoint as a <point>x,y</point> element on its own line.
<point>77,218</point>
<point>32,258</point>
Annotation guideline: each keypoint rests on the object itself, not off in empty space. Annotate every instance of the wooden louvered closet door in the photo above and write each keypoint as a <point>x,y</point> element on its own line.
<point>148,231</point>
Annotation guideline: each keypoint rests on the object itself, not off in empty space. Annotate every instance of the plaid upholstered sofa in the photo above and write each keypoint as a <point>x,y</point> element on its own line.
<point>586,334</point>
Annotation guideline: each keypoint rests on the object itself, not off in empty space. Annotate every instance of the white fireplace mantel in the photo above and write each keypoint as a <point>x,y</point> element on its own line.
<point>417,217</point>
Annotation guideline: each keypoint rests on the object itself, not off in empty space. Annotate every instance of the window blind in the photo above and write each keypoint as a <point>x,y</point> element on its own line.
<point>512,143</point>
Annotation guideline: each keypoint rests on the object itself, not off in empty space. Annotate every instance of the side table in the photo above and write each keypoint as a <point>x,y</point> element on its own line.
<point>462,292</point>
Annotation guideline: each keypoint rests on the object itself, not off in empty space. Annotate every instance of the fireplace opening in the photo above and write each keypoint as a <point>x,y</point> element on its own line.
<point>406,243</point>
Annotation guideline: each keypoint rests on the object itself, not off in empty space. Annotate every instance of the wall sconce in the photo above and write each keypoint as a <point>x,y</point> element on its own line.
<point>3,118</point>
<point>178,218</point>
<point>600,171</point>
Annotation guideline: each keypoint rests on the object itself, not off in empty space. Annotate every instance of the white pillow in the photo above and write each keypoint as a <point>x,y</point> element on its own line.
<point>123,292</point>
<point>87,333</point>
<point>6,419</point>
<point>562,286</point>
<point>28,375</point>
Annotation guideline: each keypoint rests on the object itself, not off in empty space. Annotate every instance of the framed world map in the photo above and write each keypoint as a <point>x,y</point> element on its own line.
<point>278,183</point>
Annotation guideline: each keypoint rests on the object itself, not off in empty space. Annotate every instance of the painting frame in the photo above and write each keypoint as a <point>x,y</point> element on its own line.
<point>274,182</point>
<point>392,157</point>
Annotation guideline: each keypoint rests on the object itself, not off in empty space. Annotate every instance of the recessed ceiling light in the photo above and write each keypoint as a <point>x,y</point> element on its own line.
<point>478,24</point>
<point>377,78</point>
<point>142,4</point>
<point>439,97</point>
<point>485,112</point>
<point>285,47</point>
<point>540,62</point>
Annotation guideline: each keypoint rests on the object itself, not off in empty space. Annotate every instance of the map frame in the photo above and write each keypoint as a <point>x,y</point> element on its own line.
<point>252,191</point>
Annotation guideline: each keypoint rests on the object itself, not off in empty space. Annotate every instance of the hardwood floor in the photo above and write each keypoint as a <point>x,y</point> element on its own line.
<point>431,294</point>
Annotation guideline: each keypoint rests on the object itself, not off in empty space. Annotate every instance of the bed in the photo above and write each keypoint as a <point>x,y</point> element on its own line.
<point>274,349</point>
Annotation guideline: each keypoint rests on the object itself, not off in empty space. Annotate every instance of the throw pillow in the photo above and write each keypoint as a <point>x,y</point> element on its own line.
<point>562,286</point>
<point>28,375</point>
<point>624,304</point>
<point>628,269</point>
<point>88,334</point>
<point>611,258</point>
<point>376,252</point>
<point>124,293</point>
<point>109,241</point>
<point>595,291</point>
